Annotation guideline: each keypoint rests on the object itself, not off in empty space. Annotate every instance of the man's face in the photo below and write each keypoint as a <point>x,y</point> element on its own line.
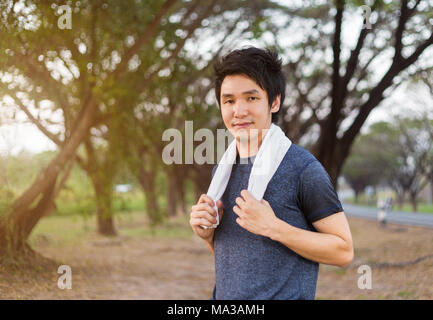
<point>244,106</point>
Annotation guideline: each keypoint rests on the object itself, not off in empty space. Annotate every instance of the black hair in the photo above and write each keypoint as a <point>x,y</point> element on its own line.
<point>263,66</point>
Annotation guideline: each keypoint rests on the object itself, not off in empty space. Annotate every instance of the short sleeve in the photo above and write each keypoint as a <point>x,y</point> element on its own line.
<point>317,197</point>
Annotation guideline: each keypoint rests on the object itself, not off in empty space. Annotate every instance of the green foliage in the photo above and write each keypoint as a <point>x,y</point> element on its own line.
<point>17,173</point>
<point>372,157</point>
<point>398,154</point>
<point>77,196</point>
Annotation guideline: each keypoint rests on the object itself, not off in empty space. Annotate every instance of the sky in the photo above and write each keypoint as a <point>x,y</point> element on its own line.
<point>14,138</point>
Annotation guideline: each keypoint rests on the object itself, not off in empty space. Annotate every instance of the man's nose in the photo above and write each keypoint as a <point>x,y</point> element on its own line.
<point>240,109</point>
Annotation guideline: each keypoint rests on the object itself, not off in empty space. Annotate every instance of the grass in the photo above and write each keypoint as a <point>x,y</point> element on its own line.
<point>177,227</point>
<point>132,201</point>
<point>405,294</point>
<point>58,231</point>
<point>422,207</point>
<point>340,272</point>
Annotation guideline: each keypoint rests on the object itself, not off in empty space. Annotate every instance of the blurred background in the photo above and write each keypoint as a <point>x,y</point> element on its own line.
<point>87,89</point>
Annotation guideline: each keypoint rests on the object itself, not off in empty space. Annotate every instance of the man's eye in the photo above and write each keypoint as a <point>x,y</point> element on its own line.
<point>229,101</point>
<point>252,98</point>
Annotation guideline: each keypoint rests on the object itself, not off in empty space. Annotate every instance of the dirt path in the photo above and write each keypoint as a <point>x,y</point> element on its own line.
<point>125,268</point>
<point>394,256</point>
<point>170,268</point>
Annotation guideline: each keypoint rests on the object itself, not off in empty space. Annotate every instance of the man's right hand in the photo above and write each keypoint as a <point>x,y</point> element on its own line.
<point>203,214</point>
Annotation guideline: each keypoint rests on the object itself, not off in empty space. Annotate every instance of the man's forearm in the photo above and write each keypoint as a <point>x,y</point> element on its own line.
<point>209,244</point>
<point>319,247</point>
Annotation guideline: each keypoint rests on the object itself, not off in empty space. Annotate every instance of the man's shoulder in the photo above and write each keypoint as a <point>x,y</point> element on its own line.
<point>298,158</point>
<point>298,152</point>
<point>310,170</point>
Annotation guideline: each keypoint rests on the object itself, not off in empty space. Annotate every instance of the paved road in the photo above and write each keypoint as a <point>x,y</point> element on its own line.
<point>404,218</point>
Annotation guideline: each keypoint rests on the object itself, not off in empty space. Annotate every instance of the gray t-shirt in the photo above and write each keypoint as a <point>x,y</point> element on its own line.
<point>249,266</point>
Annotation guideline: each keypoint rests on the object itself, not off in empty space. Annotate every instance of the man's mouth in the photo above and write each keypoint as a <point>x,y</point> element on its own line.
<point>242,124</point>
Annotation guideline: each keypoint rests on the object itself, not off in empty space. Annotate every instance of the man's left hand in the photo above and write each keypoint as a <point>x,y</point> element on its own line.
<point>254,215</point>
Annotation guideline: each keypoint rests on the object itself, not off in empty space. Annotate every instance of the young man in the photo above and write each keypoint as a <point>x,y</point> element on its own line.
<point>268,249</point>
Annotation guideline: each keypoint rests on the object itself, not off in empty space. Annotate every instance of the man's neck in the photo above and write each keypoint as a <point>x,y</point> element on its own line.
<point>250,147</point>
<point>246,151</point>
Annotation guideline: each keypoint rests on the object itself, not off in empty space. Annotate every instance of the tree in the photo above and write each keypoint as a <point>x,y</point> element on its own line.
<point>112,57</point>
<point>415,159</point>
<point>369,162</point>
<point>403,151</point>
<point>78,88</point>
<point>334,86</point>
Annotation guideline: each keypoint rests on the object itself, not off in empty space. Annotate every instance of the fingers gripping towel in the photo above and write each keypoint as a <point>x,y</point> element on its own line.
<point>271,152</point>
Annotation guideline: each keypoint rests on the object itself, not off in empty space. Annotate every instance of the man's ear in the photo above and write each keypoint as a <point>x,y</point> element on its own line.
<point>276,104</point>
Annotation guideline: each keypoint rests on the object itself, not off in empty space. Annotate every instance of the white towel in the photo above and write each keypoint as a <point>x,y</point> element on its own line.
<point>271,152</point>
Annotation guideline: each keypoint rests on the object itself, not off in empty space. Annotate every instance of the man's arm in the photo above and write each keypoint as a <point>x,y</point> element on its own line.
<point>332,244</point>
<point>209,244</point>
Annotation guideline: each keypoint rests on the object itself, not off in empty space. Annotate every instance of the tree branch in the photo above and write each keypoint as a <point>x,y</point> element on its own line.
<point>418,51</point>
<point>179,46</point>
<point>143,38</point>
<point>35,121</point>
<point>336,49</point>
<point>376,94</point>
<point>404,16</point>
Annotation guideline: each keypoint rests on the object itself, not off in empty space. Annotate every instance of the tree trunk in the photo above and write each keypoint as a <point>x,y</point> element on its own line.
<point>356,196</point>
<point>104,209</point>
<point>172,194</point>
<point>201,177</point>
<point>103,187</point>
<point>147,181</point>
<point>37,200</point>
<point>413,201</point>
<point>18,228</point>
<point>101,168</point>
<point>400,192</point>
<point>431,189</point>
<point>176,195</point>
<point>181,204</point>
<point>400,200</point>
